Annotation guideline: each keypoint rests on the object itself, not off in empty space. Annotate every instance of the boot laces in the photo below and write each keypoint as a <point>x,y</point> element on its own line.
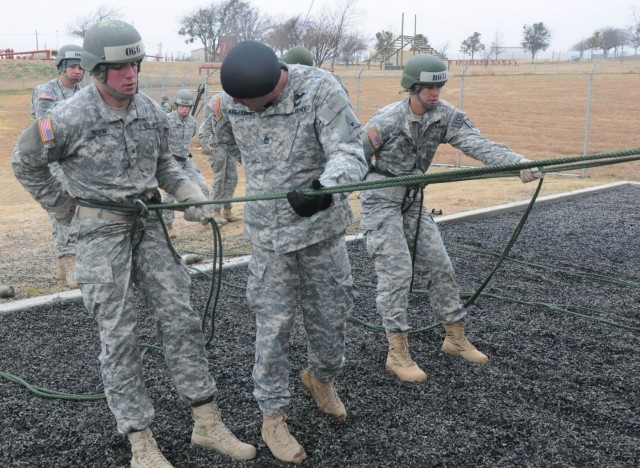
<point>281,433</point>
<point>402,357</point>
<point>150,454</point>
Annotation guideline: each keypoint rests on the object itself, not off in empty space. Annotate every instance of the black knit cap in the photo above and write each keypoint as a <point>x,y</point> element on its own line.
<point>250,70</point>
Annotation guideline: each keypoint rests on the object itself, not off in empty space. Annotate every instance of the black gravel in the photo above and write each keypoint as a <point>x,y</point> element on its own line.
<point>562,388</point>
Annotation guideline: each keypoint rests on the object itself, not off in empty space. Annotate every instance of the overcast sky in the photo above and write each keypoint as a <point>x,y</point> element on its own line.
<point>442,21</point>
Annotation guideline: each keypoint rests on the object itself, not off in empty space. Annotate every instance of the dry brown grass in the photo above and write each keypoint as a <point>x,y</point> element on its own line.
<point>533,127</point>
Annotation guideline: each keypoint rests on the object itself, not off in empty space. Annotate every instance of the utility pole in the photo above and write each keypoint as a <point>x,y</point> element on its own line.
<point>37,48</point>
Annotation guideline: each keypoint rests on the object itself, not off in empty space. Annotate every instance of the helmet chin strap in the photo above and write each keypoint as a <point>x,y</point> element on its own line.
<point>424,105</point>
<point>117,95</point>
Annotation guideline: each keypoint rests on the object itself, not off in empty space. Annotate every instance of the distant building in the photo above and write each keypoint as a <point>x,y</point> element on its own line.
<point>225,44</point>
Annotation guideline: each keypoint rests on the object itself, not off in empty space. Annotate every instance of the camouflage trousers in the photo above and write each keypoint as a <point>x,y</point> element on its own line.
<point>63,238</point>
<point>318,280</point>
<point>225,177</point>
<point>390,239</point>
<point>107,270</point>
<point>191,169</point>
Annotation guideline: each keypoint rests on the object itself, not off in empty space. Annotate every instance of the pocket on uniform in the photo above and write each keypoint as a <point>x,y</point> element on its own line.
<point>93,272</point>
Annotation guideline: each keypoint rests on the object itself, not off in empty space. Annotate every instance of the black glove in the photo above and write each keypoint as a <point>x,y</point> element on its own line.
<point>308,205</point>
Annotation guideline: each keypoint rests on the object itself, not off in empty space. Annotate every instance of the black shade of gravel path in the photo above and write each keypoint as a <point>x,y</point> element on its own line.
<point>560,390</point>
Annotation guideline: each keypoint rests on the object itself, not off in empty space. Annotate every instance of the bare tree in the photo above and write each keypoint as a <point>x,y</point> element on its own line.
<point>352,45</point>
<point>253,26</point>
<point>286,34</point>
<point>342,19</point>
<point>442,49</point>
<point>472,44</point>
<point>633,31</point>
<point>535,38</point>
<point>319,38</point>
<point>581,47</point>
<point>83,23</point>
<point>209,24</point>
<point>608,38</point>
<point>496,44</point>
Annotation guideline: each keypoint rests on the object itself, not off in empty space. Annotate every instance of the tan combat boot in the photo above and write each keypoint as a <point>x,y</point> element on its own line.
<point>61,274</point>
<point>229,216</point>
<point>457,344</point>
<point>399,362</point>
<point>145,451</point>
<point>170,230</point>
<point>209,431</point>
<point>217,217</point>
<point>324,392</point>
<point>69,267</point>
<point>282,444</point>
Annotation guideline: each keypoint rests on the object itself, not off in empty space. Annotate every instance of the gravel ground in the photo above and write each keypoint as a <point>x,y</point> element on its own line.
<point>562,388</point>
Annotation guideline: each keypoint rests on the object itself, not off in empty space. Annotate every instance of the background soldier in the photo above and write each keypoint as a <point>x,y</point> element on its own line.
<point>298,55</point>
<point>223,166</point>
<point>45,96</point>
<point>401,139</point>
<point>112,143</point>
<point>182,128</point>
<point>165,104</point>
<point>299,253</point>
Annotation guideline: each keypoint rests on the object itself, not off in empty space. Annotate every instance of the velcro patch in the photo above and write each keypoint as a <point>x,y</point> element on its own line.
<point>458,120</point>
<point>46,130</point>
<point>46,96</point>
<point>374,137</point>
<point>217,110</point>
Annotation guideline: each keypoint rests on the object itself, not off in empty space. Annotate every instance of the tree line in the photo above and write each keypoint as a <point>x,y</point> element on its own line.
<point>332,35</point>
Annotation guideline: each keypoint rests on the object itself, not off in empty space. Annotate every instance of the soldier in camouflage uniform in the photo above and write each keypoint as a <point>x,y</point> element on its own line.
<point>401,139</point>
<point>44,97</point>
<point>223,166</point>
<point>165,104</point>
<point>113,145</point>
<point>293,128</point>
<point>182,128</point>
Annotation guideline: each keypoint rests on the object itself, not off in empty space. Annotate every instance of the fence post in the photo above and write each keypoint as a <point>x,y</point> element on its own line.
<point>358,92</point>
<point>461,108</point>
<point>585,148</point>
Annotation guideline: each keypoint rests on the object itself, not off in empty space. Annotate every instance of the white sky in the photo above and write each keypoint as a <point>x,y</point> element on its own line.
<point>443,21</point>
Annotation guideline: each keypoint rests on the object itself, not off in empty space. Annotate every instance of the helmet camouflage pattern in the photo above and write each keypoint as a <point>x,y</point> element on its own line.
<point>298,54</point>
<point>68,56</point>
<point>111,42</point>
<point>423,69</point>
<point>184,98</point>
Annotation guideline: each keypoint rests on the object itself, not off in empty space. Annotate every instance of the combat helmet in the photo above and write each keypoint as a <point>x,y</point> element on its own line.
<point>110,42</point>
<point>164,98</point>
<point>184,98</point>
<point>68,56</point>
<point>250,70</point>
<point>298,54</point>
<point>423,69</point>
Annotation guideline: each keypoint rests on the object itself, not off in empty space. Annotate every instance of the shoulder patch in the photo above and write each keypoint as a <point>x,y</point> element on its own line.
<point>458,120</point>
<point>46,130</point>
<point>217,110</point>
<point>46,96</point>
<point>374,137</point>
<point>469,123</point>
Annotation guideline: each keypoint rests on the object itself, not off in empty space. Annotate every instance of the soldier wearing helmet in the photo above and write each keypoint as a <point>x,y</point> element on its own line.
<point>182,128</point>
<point>165,104</point>
<point>405,244</point>
<point>44,97</point>
<point>112,143</point>
<point>293,129</point>
<point>298,55</point>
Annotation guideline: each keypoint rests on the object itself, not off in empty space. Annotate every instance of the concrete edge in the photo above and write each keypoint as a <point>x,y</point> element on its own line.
<point>73,294</point>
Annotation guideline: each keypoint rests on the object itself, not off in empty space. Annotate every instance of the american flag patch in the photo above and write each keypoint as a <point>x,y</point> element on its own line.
<point>46,130</point>
<point>46,96</point>
<point>374,137</point>
<point>217,111</point>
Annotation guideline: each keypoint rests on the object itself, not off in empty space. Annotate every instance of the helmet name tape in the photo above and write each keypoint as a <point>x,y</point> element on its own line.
<point>432,77</point>
<point>124,52</point>
<point>73,54</point>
